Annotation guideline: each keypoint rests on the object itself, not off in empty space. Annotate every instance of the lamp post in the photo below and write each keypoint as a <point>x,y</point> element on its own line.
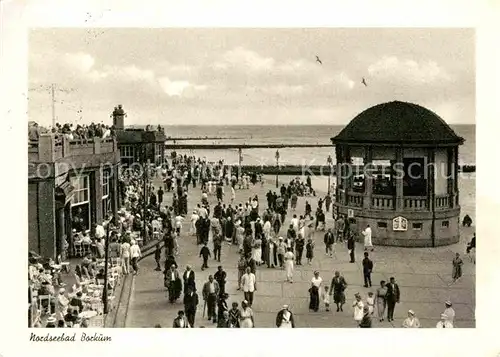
<point>329,161</point>
<point>277,156</point>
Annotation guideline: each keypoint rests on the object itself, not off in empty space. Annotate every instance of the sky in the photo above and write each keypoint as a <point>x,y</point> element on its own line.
<point>247,76</point>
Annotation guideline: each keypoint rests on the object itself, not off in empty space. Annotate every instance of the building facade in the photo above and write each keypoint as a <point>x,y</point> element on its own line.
<point>138,145</point>
<point>397,167</point>
<point>71,185</point>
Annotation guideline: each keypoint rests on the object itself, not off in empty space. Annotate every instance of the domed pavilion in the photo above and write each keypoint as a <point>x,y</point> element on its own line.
<point>397,171</point>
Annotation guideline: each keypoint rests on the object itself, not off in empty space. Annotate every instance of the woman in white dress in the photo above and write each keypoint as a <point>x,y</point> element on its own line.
<point>316,282</point>
<point>289,265</point>
<point>257,251</point>
<point>246,316</point>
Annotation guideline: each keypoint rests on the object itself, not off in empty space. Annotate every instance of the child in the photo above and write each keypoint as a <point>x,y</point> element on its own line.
<point>326,298</point>
<point>309,251</point>
<point>370,302</point>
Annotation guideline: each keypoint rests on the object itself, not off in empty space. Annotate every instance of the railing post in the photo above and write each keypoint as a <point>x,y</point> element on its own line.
<point>66,148</point>
<point>97,145</point>
<point>46,147</point>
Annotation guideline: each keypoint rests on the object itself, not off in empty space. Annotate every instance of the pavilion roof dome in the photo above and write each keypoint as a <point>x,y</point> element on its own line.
<point>398,123</point>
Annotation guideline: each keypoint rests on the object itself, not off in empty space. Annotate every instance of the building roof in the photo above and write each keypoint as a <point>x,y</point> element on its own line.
<point>398,123</point>
<point>131,136</point>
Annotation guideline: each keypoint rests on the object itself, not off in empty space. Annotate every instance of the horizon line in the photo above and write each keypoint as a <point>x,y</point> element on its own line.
<point>167,125</point>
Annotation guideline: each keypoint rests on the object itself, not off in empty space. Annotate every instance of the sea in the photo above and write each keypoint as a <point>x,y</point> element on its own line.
<point>304,134</point>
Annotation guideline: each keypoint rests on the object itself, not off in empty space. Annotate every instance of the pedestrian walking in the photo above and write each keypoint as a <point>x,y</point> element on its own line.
<point>210,293</point>
<point>411,321</point>
<point>205,254</point>
<point>358,307</point>
<point>366,321</point>
<point>367,234</point>
<point>135,254</point>
<point>367,270</point>
<point>191,301</point>
<point>351,245</point>
<point>158,257</point>
<point>329,240</point>
<point>457,268</point>
<point>289,265</point>
<point>309,251</point>
<point>338,290</point>
<point>220,277</point>
<point>180,321</point>
<point>246,315</point>
<point>444,322</point>
<point>234,316</point>
<point>392,296</point>
<point>326,298</point>
<point>449,312</point>
<point>248,285</point>
<point>370,302</point>
<point>314,291</point>
<point>284,318</point>
<point>381,300</point>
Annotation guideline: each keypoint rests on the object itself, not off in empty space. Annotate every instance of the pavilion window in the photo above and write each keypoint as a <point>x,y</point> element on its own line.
<point>383,178</point>
<point>358,176</point>
<point>417,226</point>
<point>382,225</point>
<point>414,177</point>
<point>80,203</point>
<point>445,224</point>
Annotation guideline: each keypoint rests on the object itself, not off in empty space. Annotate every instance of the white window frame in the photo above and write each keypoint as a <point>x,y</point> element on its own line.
<point>76,183</point>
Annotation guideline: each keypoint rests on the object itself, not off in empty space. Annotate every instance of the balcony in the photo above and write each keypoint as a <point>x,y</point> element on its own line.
<point>416,203</point>
<point>50,149</point>
<point>355,199</point>
<point>382,202</point>
<point>442,202</point>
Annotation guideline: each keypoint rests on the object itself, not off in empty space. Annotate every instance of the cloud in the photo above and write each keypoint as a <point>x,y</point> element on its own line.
<point>406,70</point>
<point>179,88</point>
<point>80,61</point>
<point>241,57</point>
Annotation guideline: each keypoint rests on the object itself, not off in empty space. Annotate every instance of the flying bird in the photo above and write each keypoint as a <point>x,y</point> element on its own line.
<point>318,60</point>
<point>364,82</point>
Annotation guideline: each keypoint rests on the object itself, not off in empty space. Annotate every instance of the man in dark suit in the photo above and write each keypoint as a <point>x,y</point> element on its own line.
<point>190,304</point>
<point>220,277</point>
<point>189,279</point>
<point>367,270</point>
<point>393,295</point>
<point>210,293</point>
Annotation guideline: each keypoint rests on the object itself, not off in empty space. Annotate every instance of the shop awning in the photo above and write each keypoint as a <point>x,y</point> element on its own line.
<point>64,192</point>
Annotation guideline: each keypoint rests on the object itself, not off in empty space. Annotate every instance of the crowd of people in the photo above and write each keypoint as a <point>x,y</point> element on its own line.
<point>255,231</point>
<point>72,132</point>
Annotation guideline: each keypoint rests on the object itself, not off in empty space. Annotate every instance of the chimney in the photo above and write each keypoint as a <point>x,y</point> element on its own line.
<point>119,118</point>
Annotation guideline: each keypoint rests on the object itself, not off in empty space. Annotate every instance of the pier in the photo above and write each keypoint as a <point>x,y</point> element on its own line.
<point>240,146</point>
<point>186,138</point>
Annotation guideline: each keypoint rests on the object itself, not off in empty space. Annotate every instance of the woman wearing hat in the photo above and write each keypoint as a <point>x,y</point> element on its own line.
<point>411,321</point>
<point>449,312</point>
<point>284,318</point>
<point>246,316</point>
<point>444,322</point>
<point>51,322</point>
<point>62,304</point>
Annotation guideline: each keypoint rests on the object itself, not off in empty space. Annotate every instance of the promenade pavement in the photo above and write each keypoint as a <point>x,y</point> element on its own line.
<point>423,275</point>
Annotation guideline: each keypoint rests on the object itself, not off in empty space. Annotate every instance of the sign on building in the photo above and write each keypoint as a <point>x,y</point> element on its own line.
<point>350,213</point>
<point>400,224</point>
